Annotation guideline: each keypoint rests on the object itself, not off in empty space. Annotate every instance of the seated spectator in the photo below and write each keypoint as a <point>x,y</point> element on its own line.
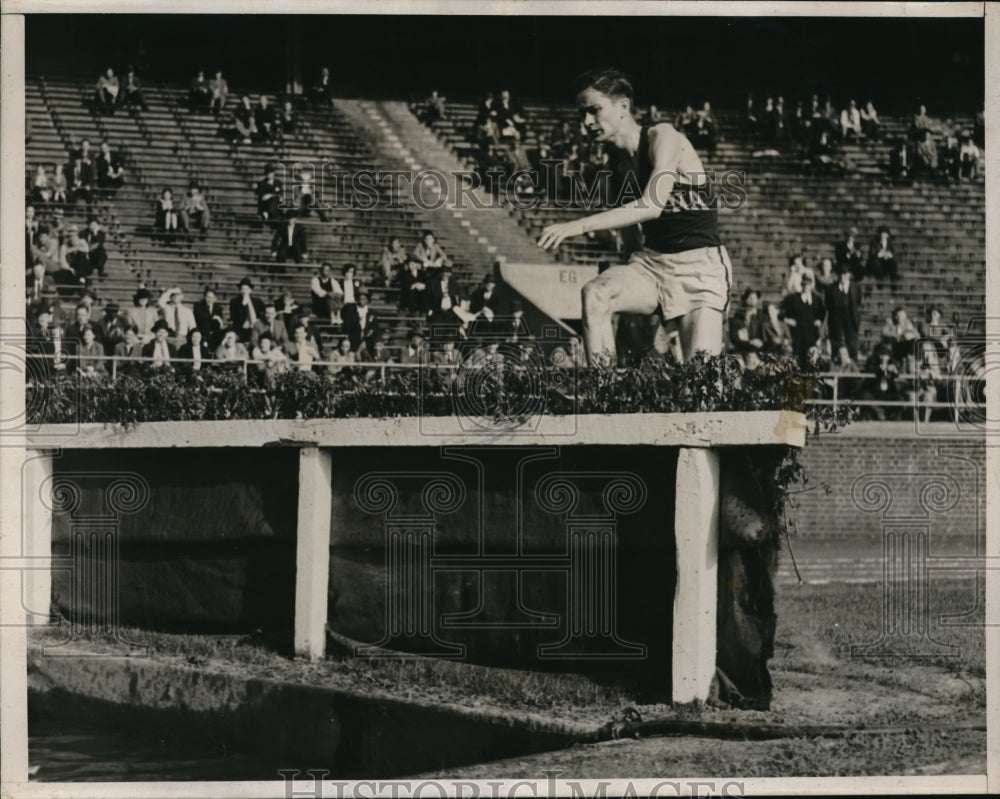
<point>289,241</point>
<point>49,253</point>
<point>265,119</point>
<point>132,90</point>
<point>143,316</point>
<point>416,350</point>
<point>75,253</point>
<point>178,316</point>
<point>487,124</point>
<point>510,118</point>
<point>219,90</point>
<point>880,388</point>
<point>799,124</point>
<point>777,340</point>
<point>245,310</point>
<point>231,349</point>
<point>106,93</point>
<point>302,350</point>
<point>686,121</point>
<point>322,90</point>
<point>160,349</point>
<point>923,390</point>
<point>200,96</point>
<point>30,234</point>
<point>208,316</point>
<point>272,326</point>
<point>244,124</point>
<point>881,257</point>
<point>934,336</point>
<point>746,329</point>
<point>922,134</point>
<point>288,119</point>
<point>342,354</point>
<point>305,199</point>
<point>129,348</point>
<point>803,313</point>
<point>850,122</point>
<point>326,295</point>
<point>111,328</point>
<point>110,171</point>
<point>825,157</point>
<point>288,309</point>
<point>446,354</point>
<point>41,190</point>
<point>39,285</point>
<point>392,260</point>
<point>194,212</point>
<point>447,308</point>
<point>432,109</point>
<point>269,360</point>
<point>57,225</point>
<point>703,132</point>
<point>484,304</point>
<point>165,220</point>
<point>969,155</point>
<point>90,354</point>
<point>870,126</point>
<point>359,320</point>
<point>412,287</point>
<point>94,236</point>
<point>430,254</point>
<point>899,335</point>
<point>193,352</point>
<point>796,269</point>
<point>79,180</point>
<point>950,160</point>
<point>269,193</point>
<point>82,320</point>
<point>825,274</point>
<point>848,253</point>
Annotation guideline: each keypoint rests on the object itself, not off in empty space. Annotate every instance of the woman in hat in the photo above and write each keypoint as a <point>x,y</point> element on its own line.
<point>143,316</point>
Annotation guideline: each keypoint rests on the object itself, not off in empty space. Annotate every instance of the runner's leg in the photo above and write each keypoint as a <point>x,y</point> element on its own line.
<point>701,330</point>
<point>620,289</point>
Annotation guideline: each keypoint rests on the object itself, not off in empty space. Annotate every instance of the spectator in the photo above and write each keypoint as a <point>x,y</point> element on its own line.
<point>969,156</point>
<point>160,349</point>
<point>302,350</point>
<point>899,160</point>
<point>208,316</point>
<point>432,109</point>
<point>269,191</point>
<point>803,312</point>
<point>746,330</point>
<point>268,360</point>
<point>129,348</point>
<point>194,212</point>
<point>288,119</point>
<point>306,201</point>
<point>288,309</point>
<point>200,96</point>
<point>686,121</point>
<point>94,236</point>
<point>272,326</point>
<point>826,275</point>
<point>831,118</point>
<point>48,252</point>
<point>245,310</point>
<point>799,124</point>
<point>373,350</point>
<point>484,301</point>
<point>143,316</point>
<point>412,288</point>
<point>322,91</point>
<point>178,316</point>
<point>870,126</point>
<point>81,321</point>
<point>265,120</point>
<point>446,354</point>
<point>342,354</point>
<point>848,253</point>
<point>924,391</point>
<point>880,388</point>
<point>796,269</point>
<point>360,320</point>
<point>487,124</point>
<point>392,260</point>
<point>110,171</point>
<point>430,254</point>
<point>41,189</point>
<point>445,305</point>
<point>193,352</point>
<point>57,225</point>
<point>39,285</point>
<point>289,241</point>
<point>111,328</point>
<point>825,157</point>
<point>30,234</point>
<point>881,257</point>
<point>950,161</point>
<point>165,220</point>
<point>850,122</point>
<point>75,253</point>
<point>843,307</point>
<point>417,350</point>
<point>79,180</point>
<point>922,134</point>
<point>106,94</point>
<point>704,129</point>
<point>132,91</point>
<point>326,295</point>
<point>231,349</point>
<point>898,336</point>
<point>244,124</point>
<point>934,338</point>
<point>751,124</point>
<point>775,333</point>
<point>510,118</point>
<point>90,356</point>
<point>219,90</point>
<point>351,286</point>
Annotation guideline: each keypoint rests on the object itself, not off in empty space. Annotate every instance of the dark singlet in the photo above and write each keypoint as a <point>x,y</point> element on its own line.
<point>690,220</point>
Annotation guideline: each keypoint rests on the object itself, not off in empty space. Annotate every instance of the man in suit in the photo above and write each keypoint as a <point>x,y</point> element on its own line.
<point>110,173</point>
<point>95,238</point>
<point>269,191</point>
<point>272,325</point>
<point>848,252</point>
<point>323,90</point>
<point>39,284</point>
<point>178,316</point>
<point>74,331</point>
<point>803,312</point>
<point>843,306</point>
<point>132,90</point>
<point>128,348</point>
<point>445,309</point>
<point>111,328</point>
<point>359,320</point>
<point>245,310</point>
<point>160,349</point>
<point>746,330</point>
<point>209,316</point>
<point>289,242</point>
<point>79,180</point>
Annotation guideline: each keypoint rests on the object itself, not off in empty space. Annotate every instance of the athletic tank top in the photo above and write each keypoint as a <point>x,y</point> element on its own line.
<point>689,221</point>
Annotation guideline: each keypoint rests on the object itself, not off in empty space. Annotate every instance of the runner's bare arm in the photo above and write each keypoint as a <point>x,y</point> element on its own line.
<point>664,144</point>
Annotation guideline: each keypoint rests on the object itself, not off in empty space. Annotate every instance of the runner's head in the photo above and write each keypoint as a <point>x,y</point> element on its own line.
<point>604,98</point>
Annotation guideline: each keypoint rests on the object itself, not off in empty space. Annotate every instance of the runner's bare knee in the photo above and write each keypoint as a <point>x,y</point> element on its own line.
<point>596,299</point>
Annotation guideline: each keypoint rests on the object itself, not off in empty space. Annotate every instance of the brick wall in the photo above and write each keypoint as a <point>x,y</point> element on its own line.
<point>861,469</point>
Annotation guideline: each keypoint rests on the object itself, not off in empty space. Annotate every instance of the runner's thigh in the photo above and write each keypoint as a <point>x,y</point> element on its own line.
<point>628,290</point>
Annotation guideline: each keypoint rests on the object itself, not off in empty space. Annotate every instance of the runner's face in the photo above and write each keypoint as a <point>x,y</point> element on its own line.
<point>601,115</point>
